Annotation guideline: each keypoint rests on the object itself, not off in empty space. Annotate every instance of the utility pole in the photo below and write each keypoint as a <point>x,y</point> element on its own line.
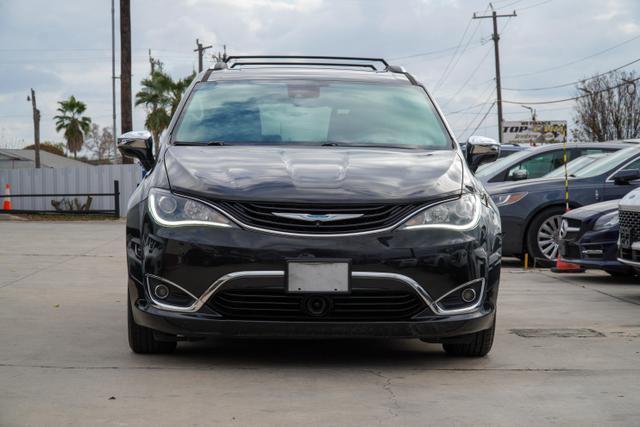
<point>126,119</point>
<point>113,80</point>
<point>534,116</point>
<point>36,126</point>
<point>496,40</point>
<point>154,62</point>
<point>200,49</point>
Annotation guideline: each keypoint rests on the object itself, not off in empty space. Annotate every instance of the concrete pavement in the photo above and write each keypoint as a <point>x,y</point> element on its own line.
<point>567,352</point>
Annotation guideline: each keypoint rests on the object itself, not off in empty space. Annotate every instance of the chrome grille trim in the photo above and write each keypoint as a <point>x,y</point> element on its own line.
<point>419,290</point>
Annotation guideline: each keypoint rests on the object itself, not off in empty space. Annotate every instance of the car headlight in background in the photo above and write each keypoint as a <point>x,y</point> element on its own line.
<point>460,214</point>
<point>606,221</point>
<point>171,210</point>
<point>507,198</point>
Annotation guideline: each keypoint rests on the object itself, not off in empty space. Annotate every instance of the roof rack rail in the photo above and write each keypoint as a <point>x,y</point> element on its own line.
<point>317,61</point>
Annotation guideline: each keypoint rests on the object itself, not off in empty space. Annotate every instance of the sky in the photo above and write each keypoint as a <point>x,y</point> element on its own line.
<point>63,48</point>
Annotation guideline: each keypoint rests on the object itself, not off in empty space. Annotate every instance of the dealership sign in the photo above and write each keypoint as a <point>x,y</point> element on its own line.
<point>534,132</point>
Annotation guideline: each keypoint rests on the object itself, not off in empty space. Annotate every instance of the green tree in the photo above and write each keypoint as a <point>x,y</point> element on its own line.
<point>160,95</point>
<point>154,95</point>
<point>74,124</point>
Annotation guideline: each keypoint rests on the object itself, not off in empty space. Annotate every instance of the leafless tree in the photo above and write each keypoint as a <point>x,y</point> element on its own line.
<point>608,108</point>
<point>99,142</point>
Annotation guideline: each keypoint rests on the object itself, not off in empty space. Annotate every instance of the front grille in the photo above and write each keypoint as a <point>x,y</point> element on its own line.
<point>372,216</point>
<point>629,254</point>
<point>630,223</point>
<point>276,304</point>
<point>570,251</point>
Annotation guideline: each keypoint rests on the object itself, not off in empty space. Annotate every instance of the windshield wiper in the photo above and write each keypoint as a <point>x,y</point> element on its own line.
<point>217,143</point>
<point>365,145</point>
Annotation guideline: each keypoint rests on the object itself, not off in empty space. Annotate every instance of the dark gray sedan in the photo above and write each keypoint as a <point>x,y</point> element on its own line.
<point>531,210</point>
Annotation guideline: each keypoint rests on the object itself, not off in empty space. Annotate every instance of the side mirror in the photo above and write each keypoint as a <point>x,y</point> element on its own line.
<point>481,150</point>
<point>139,145</point>
<point>519,175</point>
<point>625,176</point>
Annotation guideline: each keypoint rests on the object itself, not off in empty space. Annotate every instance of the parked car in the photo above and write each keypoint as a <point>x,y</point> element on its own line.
<point>311,200</point>
<point>531,210</point>
<point>574,165</point>
<point>629,234</point>
<point>589,237</point>
<point>539,161</point>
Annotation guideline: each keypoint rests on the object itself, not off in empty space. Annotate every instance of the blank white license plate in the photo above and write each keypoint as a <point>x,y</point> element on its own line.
<point>318,276</point>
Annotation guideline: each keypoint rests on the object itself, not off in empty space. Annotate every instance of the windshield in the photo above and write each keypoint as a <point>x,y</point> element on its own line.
<point>574,165</point>
<point>311,113</point>
<point>607,163</point>
<point>499,164</point>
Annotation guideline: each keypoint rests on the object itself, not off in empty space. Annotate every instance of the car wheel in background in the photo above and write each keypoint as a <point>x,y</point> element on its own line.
<point>543,235</point>
<point>616,273</point>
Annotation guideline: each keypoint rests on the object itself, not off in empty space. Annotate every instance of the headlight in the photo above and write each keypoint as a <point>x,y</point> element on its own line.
<point>171,210</point>
<point>459,214</point>
<point>507,198</point>
<point>606,221</point>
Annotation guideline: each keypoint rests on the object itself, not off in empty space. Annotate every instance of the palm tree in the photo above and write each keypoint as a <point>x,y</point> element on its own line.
<point>177,90</point>
<point>154,96</point>
<point>161,95</point>
<point>75,125</point>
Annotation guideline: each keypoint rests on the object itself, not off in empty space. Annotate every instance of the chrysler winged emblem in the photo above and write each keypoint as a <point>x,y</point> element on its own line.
<point>316,217</point>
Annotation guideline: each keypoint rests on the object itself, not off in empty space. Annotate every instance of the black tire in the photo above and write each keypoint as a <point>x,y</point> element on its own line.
<point>615,273</point>
<point>141,339</point>
<point>474,345</point>
<point>535,253</point>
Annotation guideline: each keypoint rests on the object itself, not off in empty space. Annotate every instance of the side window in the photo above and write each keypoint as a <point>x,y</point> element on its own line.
<point>535,167</point>
<point>633,165</point>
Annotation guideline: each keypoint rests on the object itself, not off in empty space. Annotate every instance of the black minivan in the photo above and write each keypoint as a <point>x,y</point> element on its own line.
<point>311,197</point>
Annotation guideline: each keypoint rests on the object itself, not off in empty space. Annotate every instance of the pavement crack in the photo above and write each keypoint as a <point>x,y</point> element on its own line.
<point>386,386</point>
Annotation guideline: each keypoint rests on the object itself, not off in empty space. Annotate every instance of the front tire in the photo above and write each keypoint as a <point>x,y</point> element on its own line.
<point>141,339</point>
<point>472,345</point>
<point>542,236</point>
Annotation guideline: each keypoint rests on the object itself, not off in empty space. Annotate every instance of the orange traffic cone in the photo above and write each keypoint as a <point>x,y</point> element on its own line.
<point>566,267</point>
<point>6,204</point>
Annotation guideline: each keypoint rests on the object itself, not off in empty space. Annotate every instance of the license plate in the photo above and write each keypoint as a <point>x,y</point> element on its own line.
<point>318,276</point>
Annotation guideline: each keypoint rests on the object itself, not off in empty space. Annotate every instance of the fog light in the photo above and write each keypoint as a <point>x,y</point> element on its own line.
<point>161,291</point>
<point>468,295</point>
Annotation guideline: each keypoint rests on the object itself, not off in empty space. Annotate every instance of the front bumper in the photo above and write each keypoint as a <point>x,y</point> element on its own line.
<point>429,263</point>
<point>201,325</point>
<point>594,250</point>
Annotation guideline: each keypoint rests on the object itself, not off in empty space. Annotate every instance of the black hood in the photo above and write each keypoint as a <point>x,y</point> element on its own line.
<point>300,174</point>
<point>594,209</point>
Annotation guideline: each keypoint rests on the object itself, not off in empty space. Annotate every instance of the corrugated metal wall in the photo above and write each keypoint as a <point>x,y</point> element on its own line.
<point>90,179</point>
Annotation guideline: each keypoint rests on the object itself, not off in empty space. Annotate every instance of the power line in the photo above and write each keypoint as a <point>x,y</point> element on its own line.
<point>444,72</point>
<point>475,70</point>
<point>473,119</point>
<point>575,82</point>
<point>557,101</point>
<point>483,118</point>
<point>473,73</point>
<point>432,52</point>
<point>535,5</point>
<point>496,41</point>
<point>544,70</point>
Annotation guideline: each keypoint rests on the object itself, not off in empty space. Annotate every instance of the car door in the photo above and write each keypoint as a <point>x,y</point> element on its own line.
<point>612,191</point>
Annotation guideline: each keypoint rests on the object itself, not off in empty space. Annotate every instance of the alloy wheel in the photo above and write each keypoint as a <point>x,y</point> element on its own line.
<point>548,237</point>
